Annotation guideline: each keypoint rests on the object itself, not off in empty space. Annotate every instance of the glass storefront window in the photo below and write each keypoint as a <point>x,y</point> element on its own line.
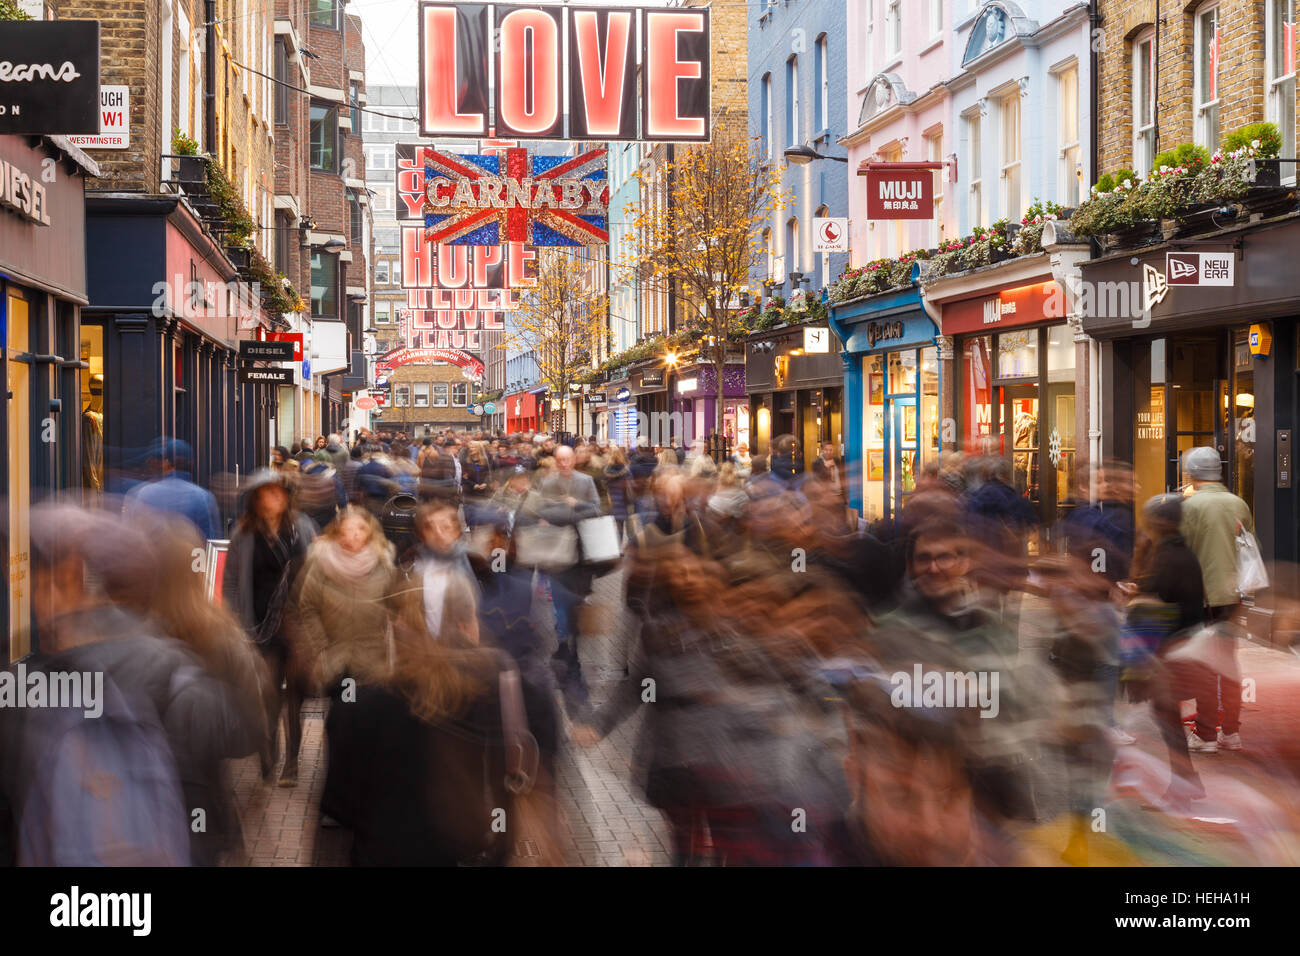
<point>92,410</point>
<point>1243,412</point>
<point>977,391</point>
<point>18,379</point>
<point>902,371</point>
<point>930,403</point>
<point>1060,354</point>
<point>1018,354</point>
<point>873,438</point>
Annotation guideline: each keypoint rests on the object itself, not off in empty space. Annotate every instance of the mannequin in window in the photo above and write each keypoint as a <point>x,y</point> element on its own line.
<point>92,436</point>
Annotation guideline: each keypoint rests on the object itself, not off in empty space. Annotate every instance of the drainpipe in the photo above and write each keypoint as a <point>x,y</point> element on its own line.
<point>1094,83</point>
<point>210,78</point>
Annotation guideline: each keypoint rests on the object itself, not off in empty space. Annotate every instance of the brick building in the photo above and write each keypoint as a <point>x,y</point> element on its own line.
<point>1211,364</point>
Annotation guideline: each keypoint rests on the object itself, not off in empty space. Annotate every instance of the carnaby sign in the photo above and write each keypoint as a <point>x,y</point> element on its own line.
<point>529,72</point>
<point>471,367</point>
<point>49,76</point>
<point>542,200</point>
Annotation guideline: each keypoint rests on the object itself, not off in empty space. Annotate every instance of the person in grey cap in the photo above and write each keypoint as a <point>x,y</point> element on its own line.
<point>1212,515</point>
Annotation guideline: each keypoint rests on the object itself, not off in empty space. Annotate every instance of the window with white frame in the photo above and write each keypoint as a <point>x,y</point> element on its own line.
<point>934,154</point>
<point>894,28</point>
<point>823,105</point>
<point>975,163</point>
<point>382,314</point>
<point>1206,79</point>
<point>459,394</point>
<point>1280,43</point>
<point>792,257</point>
<point>379,156</point>
<point>769,134</point>
<point>1009,154</point>
<point>1068,135</point>
<point>1144,103</point>
<point>421,394</point>
<point>936,18</point>
<point>439,394</point>
<point>402,396</point>
<point>769,253</point>
<point>397,272</point>
<point>792,127</point>
<point>381,272</point>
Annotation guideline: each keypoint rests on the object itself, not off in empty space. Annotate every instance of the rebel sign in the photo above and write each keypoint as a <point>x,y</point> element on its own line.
<point>900,190</point>
<point>551,72</point>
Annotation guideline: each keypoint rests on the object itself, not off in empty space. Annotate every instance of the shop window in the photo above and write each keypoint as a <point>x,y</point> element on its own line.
<point>1018,354</point>
<point>930,435</point>
<point>977,392</point>
<point>1242,404</point>
<point>902,372</point>
<point>18,343</point>
<point>92,410</point>
<point>873,438</point>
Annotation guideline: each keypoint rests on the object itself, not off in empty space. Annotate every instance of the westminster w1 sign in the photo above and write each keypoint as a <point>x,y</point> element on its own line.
<point>564,72</point>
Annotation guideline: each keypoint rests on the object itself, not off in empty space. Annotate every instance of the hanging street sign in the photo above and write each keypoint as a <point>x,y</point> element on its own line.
<point>900,190</point>
<point>540,200</point>
<point>471,367</point>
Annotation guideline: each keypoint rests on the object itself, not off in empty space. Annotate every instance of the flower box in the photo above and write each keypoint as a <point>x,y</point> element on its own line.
<point>1268,173</point>
<point>1140,233</point>
<point>239,257</point>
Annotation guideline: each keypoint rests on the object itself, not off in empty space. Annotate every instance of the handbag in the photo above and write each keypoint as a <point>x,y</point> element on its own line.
<point>546,547</point>
<point>599,539</point>
<point>1252,575</point>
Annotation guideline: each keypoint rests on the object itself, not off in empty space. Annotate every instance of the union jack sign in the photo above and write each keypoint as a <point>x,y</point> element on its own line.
<point>539,200</point>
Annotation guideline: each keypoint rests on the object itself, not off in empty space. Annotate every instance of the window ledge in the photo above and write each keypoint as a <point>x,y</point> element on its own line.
<point>933,44</point>
<point>895,61</point>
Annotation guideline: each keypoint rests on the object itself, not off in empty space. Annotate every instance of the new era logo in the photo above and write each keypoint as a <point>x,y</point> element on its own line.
<point>1182,269</point>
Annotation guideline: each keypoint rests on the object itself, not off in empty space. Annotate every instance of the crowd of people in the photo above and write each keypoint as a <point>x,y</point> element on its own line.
<point>945,687</point>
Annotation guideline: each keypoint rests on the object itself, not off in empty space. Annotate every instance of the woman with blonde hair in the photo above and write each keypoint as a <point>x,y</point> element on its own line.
<point>343,612</point>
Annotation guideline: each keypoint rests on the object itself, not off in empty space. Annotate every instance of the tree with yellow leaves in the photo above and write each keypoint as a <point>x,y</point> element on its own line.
<point>562,318</point>
<point>701,234</point>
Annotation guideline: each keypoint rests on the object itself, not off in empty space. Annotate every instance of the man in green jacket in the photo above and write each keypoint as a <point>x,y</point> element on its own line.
<point>1212,516</point>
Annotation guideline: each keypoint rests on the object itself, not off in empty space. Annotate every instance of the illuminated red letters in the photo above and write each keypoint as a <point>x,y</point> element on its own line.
<point>563,72</point>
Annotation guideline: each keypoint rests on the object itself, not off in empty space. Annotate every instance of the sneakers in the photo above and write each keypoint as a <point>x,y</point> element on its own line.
<point>1120,738</point>
<point>1198,746</point>
<point>1229,741</point>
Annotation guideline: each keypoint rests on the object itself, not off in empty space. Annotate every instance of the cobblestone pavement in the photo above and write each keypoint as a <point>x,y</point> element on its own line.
<point>606,823</point>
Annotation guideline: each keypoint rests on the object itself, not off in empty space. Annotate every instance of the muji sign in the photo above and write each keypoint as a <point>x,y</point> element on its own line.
<point>534,72</point>
<point>900,190</point>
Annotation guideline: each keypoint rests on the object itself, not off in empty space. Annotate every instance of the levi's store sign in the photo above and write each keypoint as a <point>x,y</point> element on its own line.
<point>1024,305</point>
<point>900,190</point>
<point>552,72</point>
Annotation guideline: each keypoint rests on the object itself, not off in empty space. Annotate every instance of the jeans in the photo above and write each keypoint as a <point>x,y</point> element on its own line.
<point>573,685</point>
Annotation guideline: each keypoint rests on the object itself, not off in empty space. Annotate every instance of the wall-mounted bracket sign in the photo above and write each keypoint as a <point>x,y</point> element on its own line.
<point>251,349</point>
<point>900,190</point>
<point>539,200</point>
<point>265,376</point>
<point>49,76</point>
<point>552,72</point>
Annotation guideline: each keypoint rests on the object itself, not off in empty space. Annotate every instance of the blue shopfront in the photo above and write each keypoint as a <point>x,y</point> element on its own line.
<point>891,397</point>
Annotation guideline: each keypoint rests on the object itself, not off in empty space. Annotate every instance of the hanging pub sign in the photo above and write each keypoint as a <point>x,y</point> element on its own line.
<point>534,72</point>
<point>470,367</point>
<point>49,76</point>
<point>426,265</point>
<point>900,190</point>
<point>540,200</point>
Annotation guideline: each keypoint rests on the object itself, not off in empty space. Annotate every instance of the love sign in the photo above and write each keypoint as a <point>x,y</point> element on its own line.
<point>551,72</point>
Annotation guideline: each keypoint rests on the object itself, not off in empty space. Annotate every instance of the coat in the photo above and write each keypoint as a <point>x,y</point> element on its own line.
<point>344,621</point>
<point>1210,518</point>
<point>237,582</point>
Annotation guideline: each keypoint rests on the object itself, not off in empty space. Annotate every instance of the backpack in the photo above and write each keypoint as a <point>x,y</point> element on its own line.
<point>104,791</point>
<point>398,521</point>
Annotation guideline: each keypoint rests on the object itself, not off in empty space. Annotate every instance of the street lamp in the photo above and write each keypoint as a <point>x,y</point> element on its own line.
<point>334,244</point>
<point>803,155</point>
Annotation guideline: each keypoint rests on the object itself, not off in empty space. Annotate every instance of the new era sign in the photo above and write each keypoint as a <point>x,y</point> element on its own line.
<point>1201,268</point>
